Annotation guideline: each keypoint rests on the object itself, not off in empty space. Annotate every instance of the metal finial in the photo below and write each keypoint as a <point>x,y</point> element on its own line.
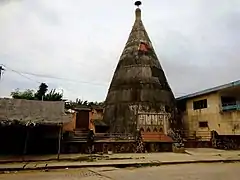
<point>138,3</point>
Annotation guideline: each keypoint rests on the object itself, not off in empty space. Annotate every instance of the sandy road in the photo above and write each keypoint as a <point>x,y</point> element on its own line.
<point>218,171</point>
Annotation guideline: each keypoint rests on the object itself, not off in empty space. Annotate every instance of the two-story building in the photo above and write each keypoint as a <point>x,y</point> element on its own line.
<point>212,115</point>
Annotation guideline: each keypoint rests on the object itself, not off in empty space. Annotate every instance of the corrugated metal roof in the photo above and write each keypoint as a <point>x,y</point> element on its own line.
<point>210,90</point>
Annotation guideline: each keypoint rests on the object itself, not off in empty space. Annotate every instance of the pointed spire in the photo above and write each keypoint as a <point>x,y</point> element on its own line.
<point>138,14</point>
<point>138,81</point>
<point>138,10</point>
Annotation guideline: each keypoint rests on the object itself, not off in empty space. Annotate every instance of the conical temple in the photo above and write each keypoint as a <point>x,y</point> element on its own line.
<point>139,97</point>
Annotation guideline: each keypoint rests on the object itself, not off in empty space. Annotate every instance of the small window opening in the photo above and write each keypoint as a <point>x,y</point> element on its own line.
<point>226,101</point>
<point>203,124</point>
<point>200,104</point>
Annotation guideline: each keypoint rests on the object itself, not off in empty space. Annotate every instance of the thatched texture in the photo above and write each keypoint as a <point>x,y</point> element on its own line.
<point>30,111</point>
<point>138,85</point>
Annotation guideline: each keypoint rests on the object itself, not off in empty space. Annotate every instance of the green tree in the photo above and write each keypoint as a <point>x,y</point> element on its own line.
<point>40,94</point>
<point>53,96</point>
<point>74,104</point>
<point>96,103</point>
<point>85,103</point>
<point>27,94</point>
<point>79,101</point>
<point>101,103</point>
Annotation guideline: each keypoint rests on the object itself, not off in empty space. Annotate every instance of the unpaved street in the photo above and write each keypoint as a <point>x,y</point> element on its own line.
<point>218,171</point>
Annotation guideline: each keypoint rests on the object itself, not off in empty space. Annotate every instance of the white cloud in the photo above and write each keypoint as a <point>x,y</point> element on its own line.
<point>82,41</point>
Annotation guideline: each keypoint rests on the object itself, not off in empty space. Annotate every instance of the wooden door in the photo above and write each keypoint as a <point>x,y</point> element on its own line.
<point>82,120</point>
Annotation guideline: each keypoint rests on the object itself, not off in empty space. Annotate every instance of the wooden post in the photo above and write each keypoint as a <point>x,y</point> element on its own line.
<point>25,143</point>
<point>59,140</point>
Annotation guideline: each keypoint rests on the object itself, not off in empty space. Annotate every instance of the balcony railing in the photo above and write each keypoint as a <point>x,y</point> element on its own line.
<point>230,107</point>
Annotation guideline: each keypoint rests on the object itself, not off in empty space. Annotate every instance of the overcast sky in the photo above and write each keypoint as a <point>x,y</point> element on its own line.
<point>197,42</point>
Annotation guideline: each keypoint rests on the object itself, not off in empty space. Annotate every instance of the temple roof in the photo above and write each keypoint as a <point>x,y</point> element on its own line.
<point>139,68</point>
<point>138,79</point>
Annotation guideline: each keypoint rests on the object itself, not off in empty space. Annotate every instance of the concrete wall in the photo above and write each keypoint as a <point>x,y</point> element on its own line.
<point>221,122</point>
<point>95,114</point>
<point>70,126</point>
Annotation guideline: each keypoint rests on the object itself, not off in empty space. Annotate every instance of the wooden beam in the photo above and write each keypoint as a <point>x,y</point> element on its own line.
<point>59,140</point>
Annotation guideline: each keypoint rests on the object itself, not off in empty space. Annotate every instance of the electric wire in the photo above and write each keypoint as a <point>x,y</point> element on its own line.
<point>21,73</point>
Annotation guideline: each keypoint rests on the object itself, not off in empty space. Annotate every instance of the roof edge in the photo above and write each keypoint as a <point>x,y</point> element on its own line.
<point>210,90</point>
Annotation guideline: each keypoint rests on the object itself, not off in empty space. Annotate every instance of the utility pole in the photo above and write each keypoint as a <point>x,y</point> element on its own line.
<point>1,70</point>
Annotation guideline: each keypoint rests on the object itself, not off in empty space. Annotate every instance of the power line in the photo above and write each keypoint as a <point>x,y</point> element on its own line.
<point>51,77</point>
<point>61,78</point>
<point>21,74</point>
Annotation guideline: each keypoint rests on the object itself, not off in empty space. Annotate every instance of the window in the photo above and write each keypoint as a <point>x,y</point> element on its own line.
<point>203,124</point>
<point>200,104</point>
<point>226,101</point>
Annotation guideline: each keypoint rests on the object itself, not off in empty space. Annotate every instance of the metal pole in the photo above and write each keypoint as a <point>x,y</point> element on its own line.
<point>25,144</point>
<point>1,70</point>
<point>59,140</point>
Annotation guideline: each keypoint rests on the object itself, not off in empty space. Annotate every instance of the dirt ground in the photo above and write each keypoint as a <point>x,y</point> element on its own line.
<point>218,171</point>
